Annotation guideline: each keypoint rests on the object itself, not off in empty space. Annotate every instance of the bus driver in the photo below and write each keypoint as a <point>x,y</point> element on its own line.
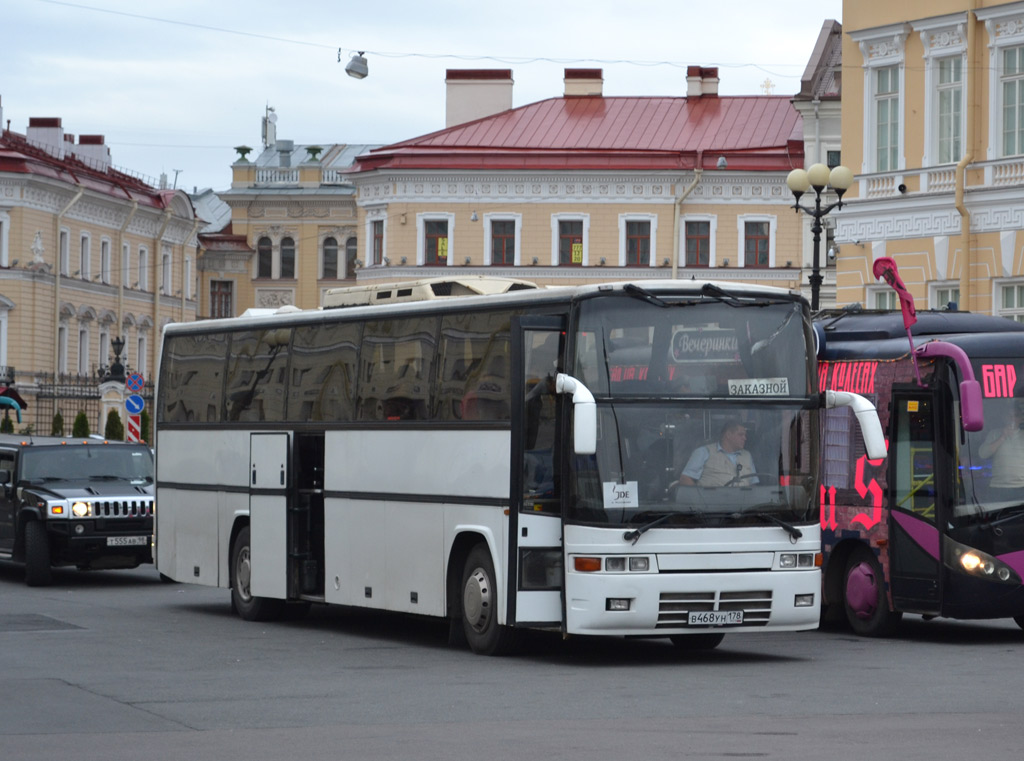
<point>725,463</point>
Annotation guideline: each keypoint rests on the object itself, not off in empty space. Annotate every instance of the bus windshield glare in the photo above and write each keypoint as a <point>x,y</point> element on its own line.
<point>702,413</point>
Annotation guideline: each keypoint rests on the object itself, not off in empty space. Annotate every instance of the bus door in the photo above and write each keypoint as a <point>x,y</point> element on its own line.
<point>535,519</point>
<point>917,493</point>
<point>268,513</point>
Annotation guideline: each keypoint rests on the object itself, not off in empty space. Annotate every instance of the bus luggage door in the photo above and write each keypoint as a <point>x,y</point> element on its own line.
<point>917,495</point>
<point>535,519</point>
<point>268,514</point>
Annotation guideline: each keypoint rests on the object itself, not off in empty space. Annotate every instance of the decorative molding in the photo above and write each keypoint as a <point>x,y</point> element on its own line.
<point>271,298</point>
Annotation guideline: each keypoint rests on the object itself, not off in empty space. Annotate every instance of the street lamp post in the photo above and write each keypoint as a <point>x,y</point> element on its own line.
<point>818,177</point>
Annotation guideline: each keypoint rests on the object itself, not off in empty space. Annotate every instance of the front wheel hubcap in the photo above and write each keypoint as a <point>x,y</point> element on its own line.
<point>243,574</point>
<point>477,600</point>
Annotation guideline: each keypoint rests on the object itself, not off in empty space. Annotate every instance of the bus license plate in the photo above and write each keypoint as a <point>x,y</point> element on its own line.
<point>127,541</point>
<point>715,617</point>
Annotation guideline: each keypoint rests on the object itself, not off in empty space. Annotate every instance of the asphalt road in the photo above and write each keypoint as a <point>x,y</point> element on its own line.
<point>116,665</point>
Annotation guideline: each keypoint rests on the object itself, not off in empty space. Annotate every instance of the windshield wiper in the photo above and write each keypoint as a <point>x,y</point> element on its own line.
<point>634,535</point>
<point>710,290</point>
<point>106,478</point>
<point>792,530</point>
<point>643,294</point>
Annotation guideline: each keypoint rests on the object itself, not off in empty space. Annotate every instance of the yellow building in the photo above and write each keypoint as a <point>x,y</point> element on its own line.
<point>88,254</point>
<point>586,187</point>
<point>933,127</point>
<point>292,230</point>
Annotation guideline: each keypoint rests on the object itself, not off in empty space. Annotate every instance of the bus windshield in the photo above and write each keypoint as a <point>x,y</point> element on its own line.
<point>712,464</point>
<point>705,348</point>
<point>992,480</point>
<point>701,410</point>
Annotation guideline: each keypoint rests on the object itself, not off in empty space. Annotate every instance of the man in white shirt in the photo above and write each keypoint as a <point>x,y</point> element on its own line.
<point>726,463</point>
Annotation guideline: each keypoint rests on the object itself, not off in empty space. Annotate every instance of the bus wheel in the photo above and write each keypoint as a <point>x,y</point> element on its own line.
<point>867,609</point>
<point>480,606</point>
<point>242,601</point>
<point>697,641</point>
<point>38,572</point>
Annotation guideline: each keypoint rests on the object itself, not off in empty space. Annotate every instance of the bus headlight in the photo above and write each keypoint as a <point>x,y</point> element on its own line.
<point>976,563</point>
<point>80,509</point>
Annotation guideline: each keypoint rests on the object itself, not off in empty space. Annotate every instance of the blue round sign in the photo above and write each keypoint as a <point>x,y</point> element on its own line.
<point>134,404</point>
<point>135,382</point>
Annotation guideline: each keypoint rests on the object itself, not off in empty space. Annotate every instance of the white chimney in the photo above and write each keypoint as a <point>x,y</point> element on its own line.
<point>46,133</point>
<point>93,152</point>
<point>709,80</point>
<point>701,80</point>
<point>584,82</point>
<point>476,93</point>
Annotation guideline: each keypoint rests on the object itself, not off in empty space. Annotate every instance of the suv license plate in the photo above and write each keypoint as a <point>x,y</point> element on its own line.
<point>132,541</point>
<point>715,617</point>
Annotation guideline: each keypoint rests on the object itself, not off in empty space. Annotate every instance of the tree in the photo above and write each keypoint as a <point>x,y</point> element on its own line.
<point>115,428</point>
<point>144,426</point>
<point>57,428</point>
<point>80,430</point>
<point>6,425</point>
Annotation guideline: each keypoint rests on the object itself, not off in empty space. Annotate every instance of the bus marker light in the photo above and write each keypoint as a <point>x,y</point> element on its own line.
<point>587,565</point>
<point>617,603</point>
<point>804,601</point>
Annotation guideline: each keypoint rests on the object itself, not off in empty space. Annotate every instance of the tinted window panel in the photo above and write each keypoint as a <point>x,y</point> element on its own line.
<point>192,378</point>
<point>323,373</point>
<point>256,375</point>
<point>474,378</point>
<point>395,369</point>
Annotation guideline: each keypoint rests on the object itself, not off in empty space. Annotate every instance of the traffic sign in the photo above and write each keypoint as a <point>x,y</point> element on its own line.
<point>134,428</point>
<point>135,382</point>
<point>134,404</point>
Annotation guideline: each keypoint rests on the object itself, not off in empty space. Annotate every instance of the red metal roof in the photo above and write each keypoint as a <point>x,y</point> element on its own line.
<point>18,156</point>
<point>759,132</point>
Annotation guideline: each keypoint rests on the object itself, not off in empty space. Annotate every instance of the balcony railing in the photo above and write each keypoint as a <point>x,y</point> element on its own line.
<point>942,179</point>
<point>277,175</point>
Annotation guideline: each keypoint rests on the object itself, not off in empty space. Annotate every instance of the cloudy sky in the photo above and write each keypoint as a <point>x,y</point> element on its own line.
<point>175,85</point>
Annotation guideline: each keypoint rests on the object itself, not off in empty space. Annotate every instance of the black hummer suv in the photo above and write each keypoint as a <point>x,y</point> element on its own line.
<point>82,502</point>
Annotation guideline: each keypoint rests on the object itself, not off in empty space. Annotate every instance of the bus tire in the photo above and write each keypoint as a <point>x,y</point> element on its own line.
<point>864,598</point>
<point>38,572</point>
<point>708,641</point>
<point>480,606</point>
<point>243,603</point>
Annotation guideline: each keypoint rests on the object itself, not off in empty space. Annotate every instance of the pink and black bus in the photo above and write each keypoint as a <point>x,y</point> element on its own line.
<point>936,527</point>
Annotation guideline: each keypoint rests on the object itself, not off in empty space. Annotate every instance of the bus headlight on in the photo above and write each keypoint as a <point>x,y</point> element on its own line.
<point>80,509</point>
<point>976,563</point>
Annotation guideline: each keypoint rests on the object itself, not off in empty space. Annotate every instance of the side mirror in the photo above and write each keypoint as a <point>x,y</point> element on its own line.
<point>971,412</point>
<point>867,418</point>
<point>584,430</point>
<point>5,477</point>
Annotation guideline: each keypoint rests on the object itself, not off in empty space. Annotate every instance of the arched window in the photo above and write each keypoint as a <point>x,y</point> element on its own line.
<point>287,258</point>
<point>351,252</point>
<point>264,258</point>
<point>330,271</point>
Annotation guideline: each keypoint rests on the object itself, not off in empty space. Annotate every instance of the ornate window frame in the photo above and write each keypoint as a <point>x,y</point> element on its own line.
<point>882,47</point>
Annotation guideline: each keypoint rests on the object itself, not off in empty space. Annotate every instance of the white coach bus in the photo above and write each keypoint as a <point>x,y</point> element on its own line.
<point>511,460</point>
